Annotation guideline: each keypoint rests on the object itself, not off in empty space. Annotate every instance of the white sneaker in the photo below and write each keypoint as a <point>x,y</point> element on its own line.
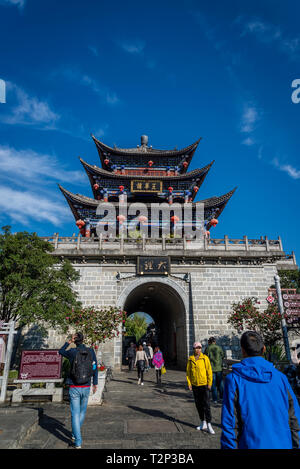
<point>142,384</point>
<point>203,426</point>
<point>210,429</point>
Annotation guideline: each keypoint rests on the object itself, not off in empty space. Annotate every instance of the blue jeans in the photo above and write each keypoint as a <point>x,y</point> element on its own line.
<point>217,385</point>
<point>78,402</point>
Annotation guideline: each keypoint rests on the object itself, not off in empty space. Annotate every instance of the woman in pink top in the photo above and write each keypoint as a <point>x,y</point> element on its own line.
<point>158,363</point>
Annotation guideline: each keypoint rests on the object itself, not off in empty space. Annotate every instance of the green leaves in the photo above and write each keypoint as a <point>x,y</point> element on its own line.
<point>33,287</point>
<point>97,325</point>
<point>136,325</point>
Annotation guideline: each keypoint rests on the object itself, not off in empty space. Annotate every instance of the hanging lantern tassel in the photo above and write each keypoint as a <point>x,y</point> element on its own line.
<point>214,222</point>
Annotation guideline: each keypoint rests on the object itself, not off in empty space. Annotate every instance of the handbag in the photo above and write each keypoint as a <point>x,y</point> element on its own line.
<point>163,370</point>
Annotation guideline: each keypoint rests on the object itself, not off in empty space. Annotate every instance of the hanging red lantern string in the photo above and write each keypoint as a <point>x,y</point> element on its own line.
<point>174,219</point>
<point>96,186</point>
<point>184,164</point>
<point>170,189</point>
<point>121,188</point>
<point>196,188</point>
<point>150,163</point>
<point>106,161</point>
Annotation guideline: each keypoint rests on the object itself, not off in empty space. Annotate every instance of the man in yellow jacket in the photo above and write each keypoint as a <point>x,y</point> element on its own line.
<point>199,378</point>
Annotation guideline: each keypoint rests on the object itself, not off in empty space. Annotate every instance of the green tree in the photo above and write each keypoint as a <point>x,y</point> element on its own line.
<point>97,325</point>
<point>136,325</point>
<point>246,315</point>
<point>290,279</point>
<point>34,289</point>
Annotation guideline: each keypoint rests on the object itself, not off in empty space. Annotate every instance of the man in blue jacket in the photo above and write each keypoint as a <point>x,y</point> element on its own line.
<point>79,393</point>
<point>260,410</point>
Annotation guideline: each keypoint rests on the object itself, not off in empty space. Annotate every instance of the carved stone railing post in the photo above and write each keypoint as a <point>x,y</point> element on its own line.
<point>226,242</point>
<point>267,243</point>
<point>246,243</point>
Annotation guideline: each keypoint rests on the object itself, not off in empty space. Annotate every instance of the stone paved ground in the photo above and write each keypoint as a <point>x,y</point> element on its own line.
<point>132,417</point>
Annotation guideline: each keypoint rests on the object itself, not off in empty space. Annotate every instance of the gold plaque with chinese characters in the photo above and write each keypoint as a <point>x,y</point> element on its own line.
<point>145,186</point>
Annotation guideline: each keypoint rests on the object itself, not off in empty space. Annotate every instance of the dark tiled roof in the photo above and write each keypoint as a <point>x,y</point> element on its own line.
<point>142,149</point>
<point>107,174</point>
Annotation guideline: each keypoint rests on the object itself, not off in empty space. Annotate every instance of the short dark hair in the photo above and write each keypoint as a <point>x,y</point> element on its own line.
<point>252,343</point>
<point>79,338</point>
<point>211,340</point>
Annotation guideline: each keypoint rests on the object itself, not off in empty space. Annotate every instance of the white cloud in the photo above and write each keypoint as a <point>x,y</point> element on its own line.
<point>249,118</point>
<point>24,206</point>
<point>135,47</point>
<point>287,168</point>
<point>24,167</point>
<point>249,141</point>
<point>18,3</point>
<point>27,109</point>
<point>102,91</point>
<point>268,33</point>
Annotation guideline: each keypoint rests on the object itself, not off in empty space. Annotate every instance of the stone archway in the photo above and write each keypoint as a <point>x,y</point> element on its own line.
<point>167,303</point>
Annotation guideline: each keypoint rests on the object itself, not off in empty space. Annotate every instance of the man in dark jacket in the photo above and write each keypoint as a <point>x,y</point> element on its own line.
<point>216,355</point>
<point>260,410</point>
<point>79,393</point>
<point>130,356</point>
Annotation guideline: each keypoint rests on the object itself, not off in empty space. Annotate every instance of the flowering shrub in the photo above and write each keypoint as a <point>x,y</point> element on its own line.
<point>97,325</point>
<point>245,315</point>
<point>101,367</point>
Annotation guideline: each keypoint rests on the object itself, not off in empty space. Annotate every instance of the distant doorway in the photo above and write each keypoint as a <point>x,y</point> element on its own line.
<point>165,305</point>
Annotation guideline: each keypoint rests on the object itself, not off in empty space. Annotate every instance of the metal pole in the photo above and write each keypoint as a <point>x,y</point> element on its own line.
<point>7,361</point>
<point>283,321</point>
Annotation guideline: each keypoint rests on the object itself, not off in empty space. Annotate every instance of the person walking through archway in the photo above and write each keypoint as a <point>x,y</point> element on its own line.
<point>199,378</point>
<point>141,361</point>
<point>158,362</point>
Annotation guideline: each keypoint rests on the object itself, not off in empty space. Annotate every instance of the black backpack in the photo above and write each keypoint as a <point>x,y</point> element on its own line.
<point>82,366</point>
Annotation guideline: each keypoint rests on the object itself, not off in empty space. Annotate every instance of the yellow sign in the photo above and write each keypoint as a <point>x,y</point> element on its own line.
<point>146,186</point>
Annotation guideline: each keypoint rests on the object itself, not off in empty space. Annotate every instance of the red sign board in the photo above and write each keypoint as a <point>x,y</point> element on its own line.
<point>40,364</point>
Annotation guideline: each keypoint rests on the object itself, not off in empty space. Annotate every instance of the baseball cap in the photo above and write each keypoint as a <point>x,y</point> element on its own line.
<point>197,344</point>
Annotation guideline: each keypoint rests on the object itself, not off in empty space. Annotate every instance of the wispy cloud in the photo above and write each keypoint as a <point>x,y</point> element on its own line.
<point>26,109</point>
<point>25,206</point>
<point>293,172</point>
<point>94,50</point>
<point>18,3</point>
<point>26,186</point>
<point>249,118</point>
<point>133,47</point>
<point>74,75</point>
<point>268,33</point>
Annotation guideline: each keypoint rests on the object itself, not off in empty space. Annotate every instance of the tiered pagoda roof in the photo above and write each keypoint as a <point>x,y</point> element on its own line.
<point>143,174</point>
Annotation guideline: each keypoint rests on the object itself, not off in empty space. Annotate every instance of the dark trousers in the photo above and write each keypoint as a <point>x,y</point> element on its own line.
<point>131,363</point>
<point>158,376</point>
<point>141,374</point>
<point>201,396</point>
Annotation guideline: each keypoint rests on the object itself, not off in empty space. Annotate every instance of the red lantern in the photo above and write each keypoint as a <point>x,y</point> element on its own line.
<point>214,222</point>
<point>184,164</point>
<point>150,163</point>
<point>170,189</point>
<point>196,188</point>
<point>121,219</point>
<point>106,161</point>
<point>80,223</point>
<point>142,219</point>
<point>96,187</point>
<point>174,219</point>
<point>121,188</point>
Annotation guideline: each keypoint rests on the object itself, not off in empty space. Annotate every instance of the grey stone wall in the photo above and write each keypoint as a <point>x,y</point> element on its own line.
<point>207,293</point>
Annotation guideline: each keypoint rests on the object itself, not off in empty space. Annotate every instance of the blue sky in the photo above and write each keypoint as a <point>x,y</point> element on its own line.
<point>174,70</point>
